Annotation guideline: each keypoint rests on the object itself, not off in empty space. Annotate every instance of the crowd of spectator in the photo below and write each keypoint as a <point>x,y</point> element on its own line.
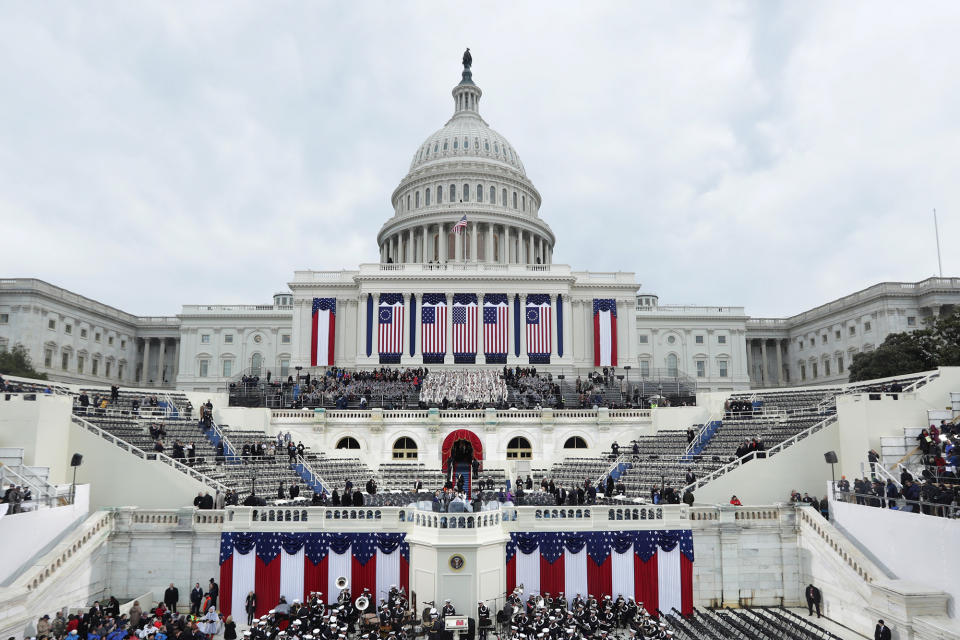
<point>15,496</point>
<point>342,388</point>
<point>530,389</point>
<point>464,389</point>
<point>8,386</point>
<point>163,620</point>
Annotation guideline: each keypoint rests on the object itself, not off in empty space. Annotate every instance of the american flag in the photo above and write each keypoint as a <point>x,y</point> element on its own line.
<point>461,225</point>
<point>433,327</point>
<point>390,319</point>
<point>539,327</point>
<point>495,327</point>
<point>465,328</point>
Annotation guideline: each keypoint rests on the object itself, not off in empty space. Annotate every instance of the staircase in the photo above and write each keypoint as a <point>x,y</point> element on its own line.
<point>307,474</point>
<point>13,471</point>
<point>462,468</point>
<point>702,439</point>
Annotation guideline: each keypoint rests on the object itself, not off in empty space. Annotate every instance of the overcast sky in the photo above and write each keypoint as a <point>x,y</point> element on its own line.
<point>775,156</point>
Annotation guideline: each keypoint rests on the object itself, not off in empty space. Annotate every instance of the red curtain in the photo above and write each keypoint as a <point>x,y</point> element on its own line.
<point>599,578</point>
<point>686,585</point>
<point>405,575</point>
<point>461,434</point>
<point>267,585</point>
<point>596,343</point>
<point>364,576</point>
<point>226,586</point>
<point>512,574</point>
<point>552,576</point>
<point>314,577</point>
<point>645,583</point>
<point>613,338</point>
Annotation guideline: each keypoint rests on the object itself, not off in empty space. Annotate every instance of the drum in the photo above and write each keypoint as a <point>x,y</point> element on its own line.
<point>369,620</point>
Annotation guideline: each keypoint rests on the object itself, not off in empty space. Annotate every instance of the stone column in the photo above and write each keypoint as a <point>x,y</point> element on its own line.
<point>145,375</point>
<point>764,367</point>
<point>176,362</point>
<point>521,248</point>
<point>160,363</point>
<point>523,327</point>
<point>748,342</point>
<point>442,242</point>
<point>474,231</point>
<point>530,255</point>
<point>423,248</point>
<point>458,246</point>
<point>488,247</point>
<point>401,247</point>
<point>779,344</point>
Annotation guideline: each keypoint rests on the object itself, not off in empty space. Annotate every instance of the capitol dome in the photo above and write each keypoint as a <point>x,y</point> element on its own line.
<point>466,177</point>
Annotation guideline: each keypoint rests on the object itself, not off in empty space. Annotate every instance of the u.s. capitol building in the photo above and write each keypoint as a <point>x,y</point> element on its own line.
<point>466,278</point>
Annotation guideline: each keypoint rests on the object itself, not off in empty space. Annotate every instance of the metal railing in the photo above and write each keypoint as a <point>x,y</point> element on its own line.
<point>772,451</point>
<point>881,471</point>
<point>153,455</point>
<point>42,492</point>
<point>314,476</point>
<point>899,503</point>
<point>698,438</point>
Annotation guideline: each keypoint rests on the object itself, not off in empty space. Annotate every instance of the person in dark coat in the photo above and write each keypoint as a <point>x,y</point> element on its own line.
<point>357,499</point>
<point>170,597</point>
<point>335,498</point>
<point>813,599</point>
<point>213,590</point>
<point>196,597</point>
<point>882,632</point>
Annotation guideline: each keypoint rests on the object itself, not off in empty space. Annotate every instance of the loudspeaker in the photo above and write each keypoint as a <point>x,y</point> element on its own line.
<point>76,460</point>
<point>830,457</point>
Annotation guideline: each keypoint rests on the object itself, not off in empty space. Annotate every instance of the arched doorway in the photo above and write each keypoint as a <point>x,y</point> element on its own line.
<point>461,445</point>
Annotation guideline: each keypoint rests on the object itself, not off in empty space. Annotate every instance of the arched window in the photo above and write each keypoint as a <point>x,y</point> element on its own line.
<point>426,197</point>
<point>453,193</point>
<point>408,202</point>
<point>256,362</point>
<point>523,200</point>
<point>404,449</point>
<point>514,199</point>
<point>439,195</point>
<point>672,365</point>
<point>348,442</point>
<point>503,198</point>
<point>417,199</point>
<point>496,148</point>
<point>466,144</point>
<point>519,448</point>
<point>444,145</point>
<point>466,193</point>
<point>479,193</point>
<point>486,145</point>
<point>493,195</point>
<point>575,442</point>
<point>436,147</point>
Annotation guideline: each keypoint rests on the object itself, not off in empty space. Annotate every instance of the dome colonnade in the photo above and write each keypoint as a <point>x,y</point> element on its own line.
<point>466,169</point>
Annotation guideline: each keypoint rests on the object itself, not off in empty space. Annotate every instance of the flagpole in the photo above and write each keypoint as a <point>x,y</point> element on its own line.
<point>936,231</point>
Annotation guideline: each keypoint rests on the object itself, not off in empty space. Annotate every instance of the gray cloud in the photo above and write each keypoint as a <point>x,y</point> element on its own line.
<point>765,154</point>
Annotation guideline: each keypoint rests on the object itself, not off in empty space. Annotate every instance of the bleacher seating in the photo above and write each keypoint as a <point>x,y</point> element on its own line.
<point>751,623</point>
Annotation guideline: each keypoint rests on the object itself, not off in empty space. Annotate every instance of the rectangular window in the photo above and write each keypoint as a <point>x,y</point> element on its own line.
<point>48,358</point>
<point>123,344</point>
<point>826,368</point>
<point>228,338</point>
<point>839,364</point>
<point>120,371</point>
<point>204,365</point>
<point>823,339</point>
<point>803,372</point>
<point>52,325</point>
<point>83,333</point>
<point>852,330</point>
<point>644,339</point>
<point>723,368</point>
<point>645,368</point>
<point>867,326</point>
<point>110,341</point>
<point>911,321</point>
<point>721,339</point>
<point>4,318</point>
<point>79,364</point>
<point>285,338</point>
<point>814,369</point>
<point>284,368</point>
<point>96,367</point>
<point>96,337</point>
<point>701,369</point>
<point>205,338</point>
<point>64,360</point>
<point>106,369</point>
<point>68,329</point>
<point>227,368</point>
<point>800,344</point>
<point>699,339</point>
<point>836,334</point>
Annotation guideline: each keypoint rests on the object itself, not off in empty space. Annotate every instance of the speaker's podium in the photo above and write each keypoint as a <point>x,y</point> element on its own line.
<point>456,625</point>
